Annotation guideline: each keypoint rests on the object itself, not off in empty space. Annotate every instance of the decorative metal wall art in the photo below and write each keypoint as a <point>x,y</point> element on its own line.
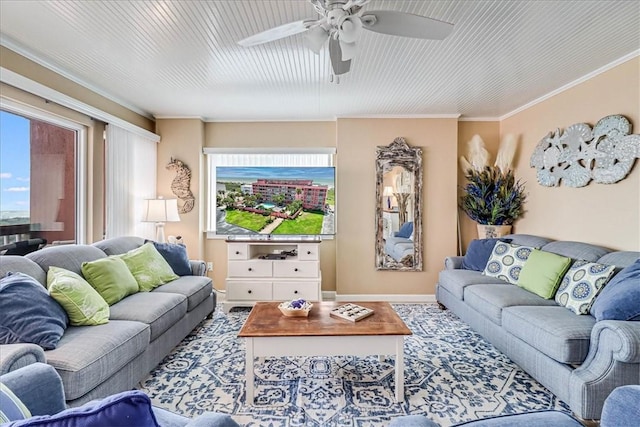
<point>605,154</point>
<point>180,185</point>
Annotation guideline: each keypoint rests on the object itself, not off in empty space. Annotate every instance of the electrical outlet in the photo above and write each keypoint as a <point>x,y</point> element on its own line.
<point>209,266</point>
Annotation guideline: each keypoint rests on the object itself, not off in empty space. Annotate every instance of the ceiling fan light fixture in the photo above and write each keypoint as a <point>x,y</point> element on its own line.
<point>315,38</point>
<point>350,28</point>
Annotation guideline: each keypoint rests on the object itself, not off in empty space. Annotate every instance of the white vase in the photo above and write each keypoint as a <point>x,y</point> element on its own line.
<point>492,231</point>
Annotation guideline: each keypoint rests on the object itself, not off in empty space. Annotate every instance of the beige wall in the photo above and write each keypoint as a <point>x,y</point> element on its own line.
<point>490,133</point>
<point>27,68</point>
<point>271,134</point>
<point>183,139</point>
<point>607,215</point>
<point>357,140</point>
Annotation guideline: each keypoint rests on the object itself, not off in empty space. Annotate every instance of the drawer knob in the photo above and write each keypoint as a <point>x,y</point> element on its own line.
<point>295,269</point>
<point>249,291</point>
<point>237,252</point>
<point>250,269</point>
<point>295,292</point>
<point>308,252</point>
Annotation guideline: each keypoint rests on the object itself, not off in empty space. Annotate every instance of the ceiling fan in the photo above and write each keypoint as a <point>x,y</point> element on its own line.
<point>341,23</point>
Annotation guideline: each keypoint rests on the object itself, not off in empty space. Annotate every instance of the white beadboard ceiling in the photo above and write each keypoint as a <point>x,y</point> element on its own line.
<point>181,59</point>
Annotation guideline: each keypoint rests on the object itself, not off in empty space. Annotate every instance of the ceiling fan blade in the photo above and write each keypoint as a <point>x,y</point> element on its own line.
<point>405,25</point>
<point>335,53</point>
<point>348,50</point>
<point>277,33</point>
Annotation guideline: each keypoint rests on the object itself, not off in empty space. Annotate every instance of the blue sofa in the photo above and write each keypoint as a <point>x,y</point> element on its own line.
<point>96,361</point>
<point>621,409</point>
<point>39,387</point>
<point>577,358</point>
<point>399,245</point>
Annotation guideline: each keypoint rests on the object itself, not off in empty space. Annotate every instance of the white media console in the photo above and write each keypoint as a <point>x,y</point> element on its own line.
<point>272,270</point>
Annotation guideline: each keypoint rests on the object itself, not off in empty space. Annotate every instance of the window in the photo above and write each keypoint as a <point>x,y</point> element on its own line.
<point>271,191</point>
<point>40,186</point>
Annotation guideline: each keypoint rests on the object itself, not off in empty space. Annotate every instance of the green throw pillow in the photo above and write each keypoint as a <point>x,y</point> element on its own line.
<point>148,267</point>
<point>542,273</point>
<point>82,303</point>
<point>111,278</point>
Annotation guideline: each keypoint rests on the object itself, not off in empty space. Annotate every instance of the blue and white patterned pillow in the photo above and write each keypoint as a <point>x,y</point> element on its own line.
<point>581,284</point>
<point>506,261</point>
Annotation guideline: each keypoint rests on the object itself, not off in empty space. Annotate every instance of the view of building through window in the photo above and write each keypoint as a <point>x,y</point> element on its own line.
<point>37,180</point>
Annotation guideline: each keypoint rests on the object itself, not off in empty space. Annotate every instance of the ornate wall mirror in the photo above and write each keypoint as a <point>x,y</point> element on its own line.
<point>398,207</point>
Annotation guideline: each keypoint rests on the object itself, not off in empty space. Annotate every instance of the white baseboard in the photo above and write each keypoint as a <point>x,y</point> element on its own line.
<point>387,298</point>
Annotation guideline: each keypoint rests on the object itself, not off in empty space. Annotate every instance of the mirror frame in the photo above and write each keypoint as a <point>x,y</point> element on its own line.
<point>399,153</point>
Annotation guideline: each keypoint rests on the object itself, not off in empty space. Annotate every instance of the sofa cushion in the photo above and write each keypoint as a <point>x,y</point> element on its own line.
<point>542,273</point>
<point>119,245</point>
<point>620,298</point>
<point>158,310</point>
<point>11,408</point>
<point>195,288</point>
<point>554,331</point>
<point>620,259</point>
<point>506,261</point>
<point>176,256</point>
<point>527,240</point>
<point>148,267</point>
<point>69,257</point>
<point>490,300</point>
<point>455,281</point>
<point>128,408</point>
<point>88,355</point>
<point>581,284</point>
<point>478,253</point>
<point>111,278</point>
<point>576,250</point>
<point>28,314</point>
<point>83,304</point>
<point>12,263</point>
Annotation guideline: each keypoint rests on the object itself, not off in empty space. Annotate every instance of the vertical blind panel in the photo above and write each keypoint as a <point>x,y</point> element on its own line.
<point>130,178</point>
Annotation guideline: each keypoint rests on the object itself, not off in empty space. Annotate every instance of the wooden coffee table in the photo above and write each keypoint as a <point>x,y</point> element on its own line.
<point>267,332</point>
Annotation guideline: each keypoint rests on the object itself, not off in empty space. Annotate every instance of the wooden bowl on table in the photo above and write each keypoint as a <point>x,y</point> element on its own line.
<point>295,308</point>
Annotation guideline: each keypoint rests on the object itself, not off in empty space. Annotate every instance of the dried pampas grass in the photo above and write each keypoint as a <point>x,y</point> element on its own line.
<point>506,152</point>
<point>478,156</point>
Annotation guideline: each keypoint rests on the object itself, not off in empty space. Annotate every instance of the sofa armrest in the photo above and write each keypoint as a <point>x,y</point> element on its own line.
<point>210,419</point>
<point>453,262</point>
<point>198,267</point>
<point>16,356</point>
<point>38,386</point>
<point>613,360</point>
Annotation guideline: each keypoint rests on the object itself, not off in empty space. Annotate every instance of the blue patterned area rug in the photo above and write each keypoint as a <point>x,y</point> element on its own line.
<point>451,375</point>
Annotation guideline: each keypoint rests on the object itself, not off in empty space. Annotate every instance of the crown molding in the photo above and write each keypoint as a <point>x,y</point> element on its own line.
<point>479,119</point>
<point>402,116</point>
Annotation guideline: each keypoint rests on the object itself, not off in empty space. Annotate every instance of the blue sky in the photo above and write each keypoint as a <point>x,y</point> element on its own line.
<point>14,162</point>
<point>325,174</point>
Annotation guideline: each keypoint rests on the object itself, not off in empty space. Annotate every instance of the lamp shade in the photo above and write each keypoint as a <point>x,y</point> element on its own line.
<point>388,191</point>
<point>161,210</point>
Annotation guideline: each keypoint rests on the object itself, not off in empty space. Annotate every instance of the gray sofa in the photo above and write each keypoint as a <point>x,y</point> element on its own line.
<point>95,361</point>
<point>578,359</point>
<point>398,247</point>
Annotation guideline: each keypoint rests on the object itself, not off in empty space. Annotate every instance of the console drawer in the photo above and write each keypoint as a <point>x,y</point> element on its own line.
<point>237,251</point>
<point>308,252</point>
<point>293,290</point>
<point>250,269</point>
<point>249,291</point>
<point>295,269</point>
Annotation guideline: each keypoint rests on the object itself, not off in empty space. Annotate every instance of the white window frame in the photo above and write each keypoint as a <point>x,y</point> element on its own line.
<point>276,156</point>
<point>81,155</point>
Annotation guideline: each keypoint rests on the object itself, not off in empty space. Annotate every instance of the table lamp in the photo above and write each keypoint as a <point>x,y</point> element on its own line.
<point>388,191</point>
<point>160,211</point>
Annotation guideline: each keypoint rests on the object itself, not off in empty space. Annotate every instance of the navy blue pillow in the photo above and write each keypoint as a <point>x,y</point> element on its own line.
<point>479,252</point>
<point>129,408</point>
<point>406,230</point>
<point>620,298</point>
<point>28,314</point>
<point>176,257</point>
